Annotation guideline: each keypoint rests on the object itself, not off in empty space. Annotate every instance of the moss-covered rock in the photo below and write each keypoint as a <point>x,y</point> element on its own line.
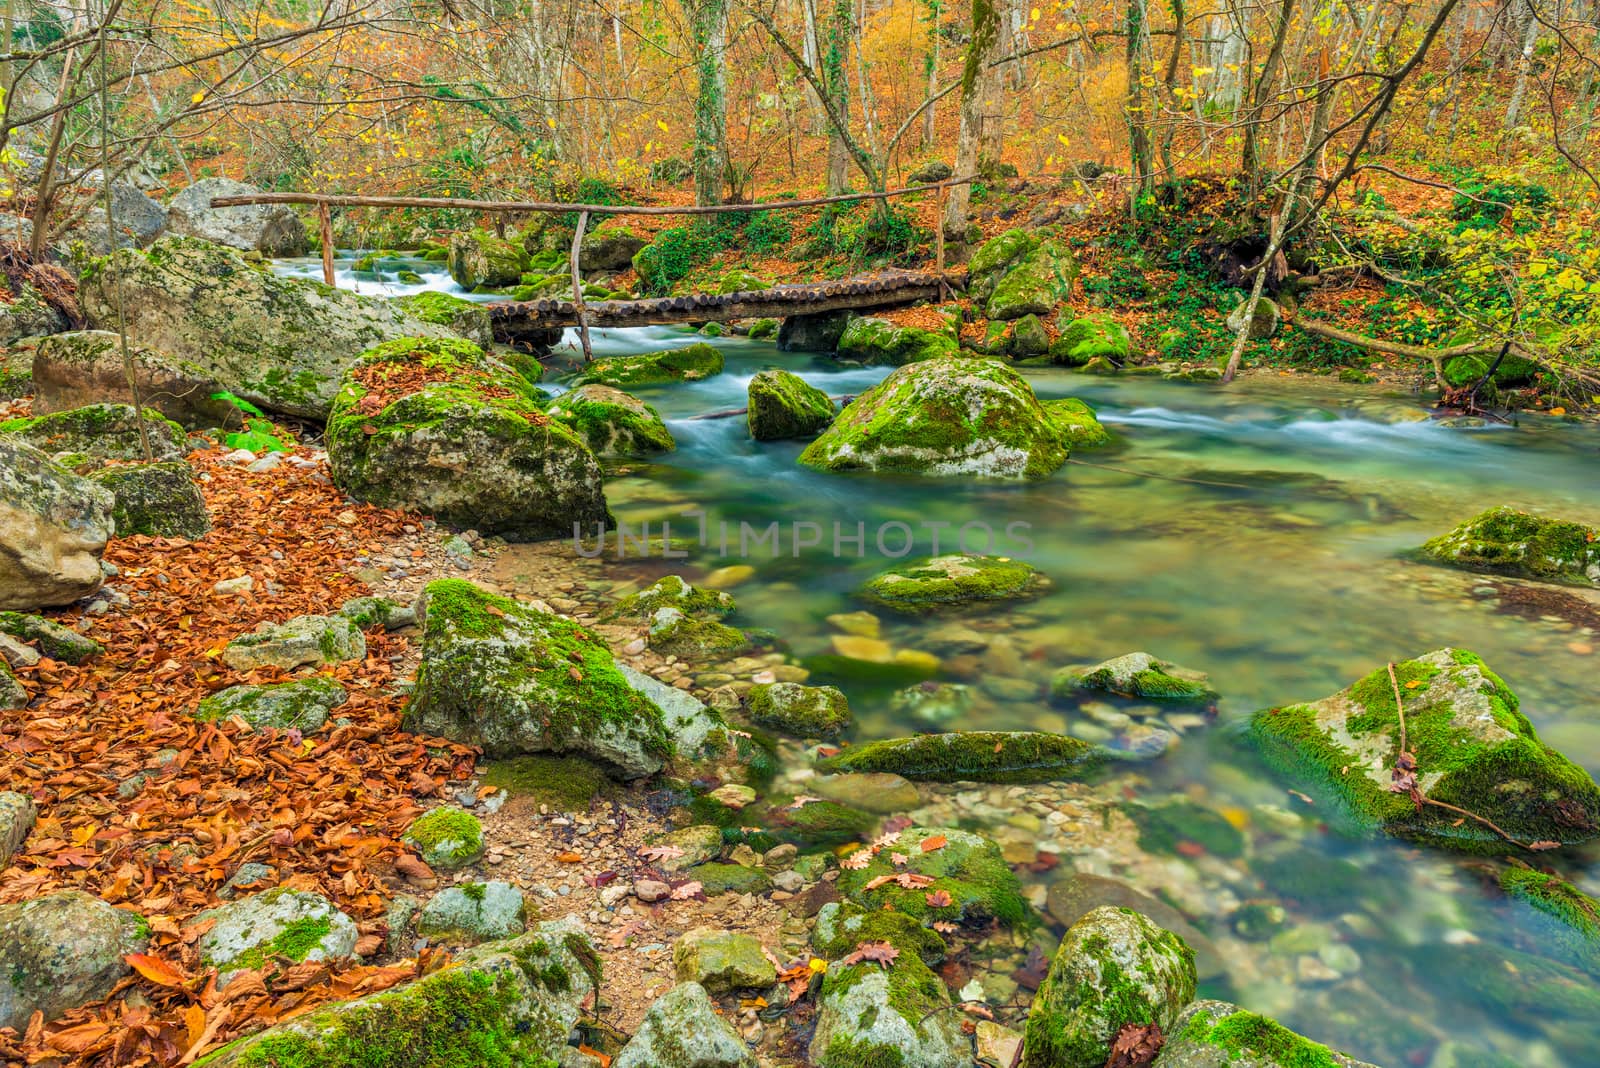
<point>610,246</point>
<point>16,372</point>
<point>303,641</point>
<point>799,711</point>
<point>1512,985</point>
<point>946,417</point>
<point>612,422</point>
<point>877,341</point>
<point>60,951</point>
<point>447,838</point>
<point>1114,967</point>
<point>1474,750</point>
<point>1510,370</point>
<point>1137,675</point>
<point>813,333</point>
<point>503,1003</point>
<point>945,583</point>
<point>1028,338</point>
<point>811,823</point>
<point>842,926</point>
<point>1565,921</point>
<point>690,364</point>
<point>515,680</point>
<point>464,317</point>
<point>762,329</point>
<point>25,313</point>
<point>966,866</point>
<point>564,783</point>
<point>722,961</point>
<point>85,438</point>
<point>475,912</point>
<point>784,405</point>
<point>739,280</point>
<point>12,693</point>
<point>1076,420</point>
<point>282,343</point>
<point>675,634</point>
<point>1171,825</point>
<point>1215,1034</point>
<point>481,259</point>
<point>85,367</point>
<point>1035,283</point>
<point>1263,324</point>
<point>672,591</point>
<point>886,1015</point>
<point>717,879</point>
<point>53,528</point>
<point>303,704</point>
<point>972,756</point>
<point>379,612</point>
<point>1092,337</point>
<point>159,499</point>
<point>250,931</point>
<point>463,437</point>
<point>683,1030</point>
<point>1508,542</point>
<point>54,640</point>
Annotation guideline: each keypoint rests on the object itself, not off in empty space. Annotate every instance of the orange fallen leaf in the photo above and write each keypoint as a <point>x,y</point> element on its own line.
<point>569,857</point>
<point>155,969</point>
<point>934,842</point>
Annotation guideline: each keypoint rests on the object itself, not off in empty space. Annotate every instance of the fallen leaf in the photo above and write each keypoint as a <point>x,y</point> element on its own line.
<point>158,971</point>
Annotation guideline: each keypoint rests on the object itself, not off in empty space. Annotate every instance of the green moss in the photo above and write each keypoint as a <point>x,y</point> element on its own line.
<point>1135,675</point>
<point>729,879</point>
<point>569,784</point>
<point>816,823</point>
<point>1571,919</point>
<point>842,927</point>
<point>972,756</point>
<point>801,711</point>
<point>1247,1034</point>
<point>54,640</point>
<point>446,837</point>
<point>689,364</point>
<point>693,638</point>
<point>296,941</point>
<point>1079,427</point>
<point>784,405</point>
<point>970,869</point>
<point>877,341</point>
<point>1506,541</point>
<point>846,1052</point>
<point>101,432</point>
<point>929,585</point>
<point>1091,337</point>
<point>672,591</point>
<point>1162,828</point>
<point>612,422</point>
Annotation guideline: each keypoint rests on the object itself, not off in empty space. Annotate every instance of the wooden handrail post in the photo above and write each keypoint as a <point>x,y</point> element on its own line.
<point>577,286</point>
<point>325,221</point>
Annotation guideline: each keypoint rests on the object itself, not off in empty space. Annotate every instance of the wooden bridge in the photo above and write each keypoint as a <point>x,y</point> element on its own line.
<point>531,320</point>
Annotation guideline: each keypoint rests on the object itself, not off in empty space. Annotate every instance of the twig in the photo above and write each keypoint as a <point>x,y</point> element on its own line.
<point>1399,708</point>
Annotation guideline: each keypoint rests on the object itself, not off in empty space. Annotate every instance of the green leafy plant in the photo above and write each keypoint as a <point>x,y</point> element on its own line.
<point>258,435</point>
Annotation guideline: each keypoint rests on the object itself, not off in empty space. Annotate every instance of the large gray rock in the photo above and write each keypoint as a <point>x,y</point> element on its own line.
<point>513,679</point>
<point>1114,967</point>
<point>17,813</point>
<point>471,446</point>
<point>61,951</point>
<point>1215,1034</point>
<point>947,417</point>
<point>475,912</point>
<point>682,1030</point>
<point>609,248</point>
<point>53,528</point>
<point>482,259</point>
<point>1074,897</point>
<point>137,220</point>
<point>896,1014</point>
<point>813,333</point>
<point>28,314</point>
<point>303,704</point>
<point>271,229</point>
<point>512,1002</point>
<point>83,367</point>
<point>248,932</point>
<point>282,343</point>
<point>161,500</point>
<point>83,439</point>
<point>299,642</point>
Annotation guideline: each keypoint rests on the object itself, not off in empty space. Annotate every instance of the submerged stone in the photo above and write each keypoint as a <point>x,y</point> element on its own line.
<point>1138,675</point>
<point>1474,751</point>
<point>612,422</point>
<point>1215,1034</point>
<point>784,405</point>
<point>800,711</point>
<point>1114,967</point>
<point>514,680</point>
<point>1565,920</point>
<point>945,418</point>
<point>972,756</point>
<point>690,364</point>
<point>1508,542</point>
<point>942,583</point>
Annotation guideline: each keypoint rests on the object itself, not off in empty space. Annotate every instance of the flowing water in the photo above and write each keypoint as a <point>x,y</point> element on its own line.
<point>1272,554</point>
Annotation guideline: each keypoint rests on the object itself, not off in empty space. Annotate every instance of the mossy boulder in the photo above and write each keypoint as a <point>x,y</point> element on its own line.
<point>968,867</point>
<point>672,591</point>
<point>481,259</point>
<point>475,912</point>
<point>1564,921</point>
<point>1134,675</point>
<point>281,343</point>
<point>889,1014</point>
<point>1090,338</point>
<point>945,418</point>
<point>1035,283</point>
<point>303,704</point>
<point>799,711</point>
<point>762,329</point>
<point>53,529</point>
<point>739,280</point>
<point>945,583</point>
<point>380,612</point>
<point>717,879</point>
<point>842,926</point>
<point>511,1002</point>
<point>722,961</point>
<point>446,838</point>
<point>1263,324</point>
<point>1114,967</point>
<point>85,367</point>
<point>1508,984</point>
<point>1508,542</point>
<point>60,951</point>
<point>1071,898</point>
<point>463,437</point>
<point>972,756</point>
<point>25,313</point>
<point>1510,370</point>
<point>1076,420</point>
<point>878,341</point>
<point>251,931</point>
<point>304,641</point>
<point>85,438</point>
<point>813,333</point>
<point>1028,338</point>
<point>516,680</point>
<point>812,823</point>
<point>1215,1034</point>
<point>784,405</point>
<point>161,499</point>
<point>689,364</point>
<point>609,247</point>
<point>467,318</point>
<point>612,422</point>
<point>16,372</point>
<point>54,640</point>
<point>674,633</point>
<point>1473,747</point>
<point>683,1029</point>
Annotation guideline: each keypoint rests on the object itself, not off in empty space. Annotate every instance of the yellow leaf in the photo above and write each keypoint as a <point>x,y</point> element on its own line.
<point>198,96</point>
<point>662,126</point>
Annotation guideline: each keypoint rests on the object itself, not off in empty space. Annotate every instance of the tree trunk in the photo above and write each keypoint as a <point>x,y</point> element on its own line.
<point>1530,37</point>
<point>984,35</point>
<point>1250,157</point>
<point>837,81</point>
<point>1136,107</point>
<point>710,28</point>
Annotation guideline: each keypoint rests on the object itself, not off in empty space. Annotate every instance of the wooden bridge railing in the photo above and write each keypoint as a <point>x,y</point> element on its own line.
<point>326,201</point>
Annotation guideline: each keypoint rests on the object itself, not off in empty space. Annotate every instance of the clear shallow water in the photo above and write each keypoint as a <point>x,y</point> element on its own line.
<point>1279,568</point>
